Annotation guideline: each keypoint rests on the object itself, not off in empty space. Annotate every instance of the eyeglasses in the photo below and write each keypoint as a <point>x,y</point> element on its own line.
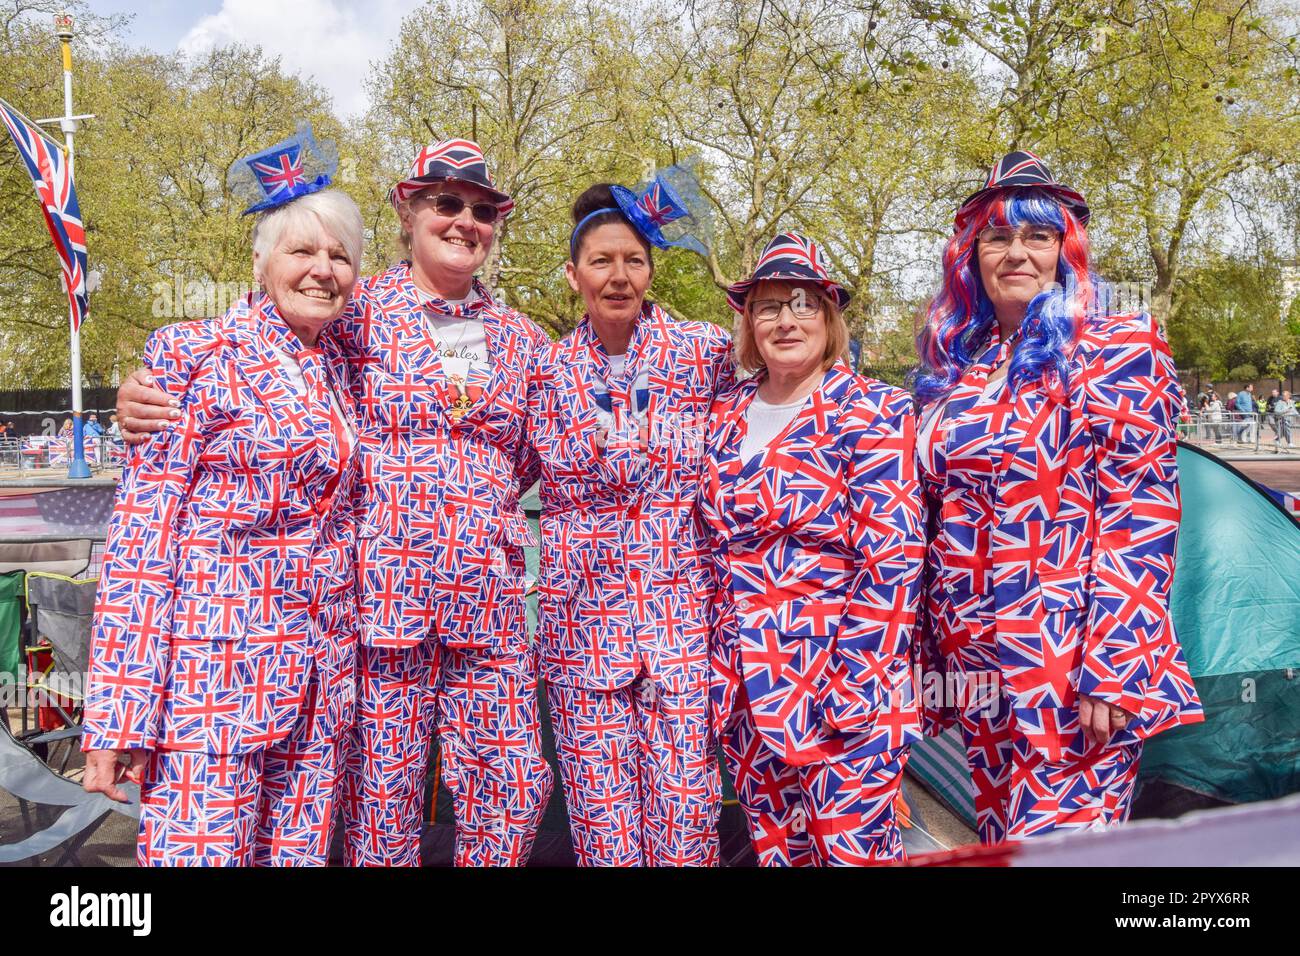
<point>801,305</point>
<point>999,238</point>
<point>451,205</point>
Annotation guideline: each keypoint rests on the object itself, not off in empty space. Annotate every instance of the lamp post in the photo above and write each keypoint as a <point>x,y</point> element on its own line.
<point>63,29</point>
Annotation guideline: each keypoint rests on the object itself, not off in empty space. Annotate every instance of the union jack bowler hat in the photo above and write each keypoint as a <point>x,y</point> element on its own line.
<point>452,160</point>
<point>789,257</point>
<point>1021,169</point>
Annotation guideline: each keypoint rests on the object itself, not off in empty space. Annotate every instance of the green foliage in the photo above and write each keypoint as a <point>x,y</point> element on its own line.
<point>859,124</point>
<point>1243,373</point>
<point>1231,316</point>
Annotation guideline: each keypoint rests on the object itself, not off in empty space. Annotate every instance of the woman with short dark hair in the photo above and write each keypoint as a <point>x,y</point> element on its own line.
<point>617,413</point>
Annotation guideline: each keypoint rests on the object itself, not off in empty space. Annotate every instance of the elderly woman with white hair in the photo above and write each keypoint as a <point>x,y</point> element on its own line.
<point>441,378</point>
<point>222,674</point>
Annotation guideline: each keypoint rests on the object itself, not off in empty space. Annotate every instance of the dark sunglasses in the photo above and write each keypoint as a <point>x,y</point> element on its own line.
<point>450,205</point>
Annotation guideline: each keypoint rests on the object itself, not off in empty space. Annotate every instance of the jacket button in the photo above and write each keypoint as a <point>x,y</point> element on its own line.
<point>744,604</point>
<point>449,510</point>
<point>633,511</point>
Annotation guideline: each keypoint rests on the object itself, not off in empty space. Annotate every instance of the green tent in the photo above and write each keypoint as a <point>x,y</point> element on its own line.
<point>11,651</point>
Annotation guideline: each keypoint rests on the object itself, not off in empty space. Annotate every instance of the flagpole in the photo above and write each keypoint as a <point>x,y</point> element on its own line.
<point>77,468</point>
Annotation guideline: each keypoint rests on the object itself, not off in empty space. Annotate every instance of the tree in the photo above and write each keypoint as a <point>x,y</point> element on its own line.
<point>1201,96</point>
<point>544,87</point>
<point>164,235</point>
<point>1231,316</point>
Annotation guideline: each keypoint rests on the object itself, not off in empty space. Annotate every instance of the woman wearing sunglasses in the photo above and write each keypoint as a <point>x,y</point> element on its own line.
<point>811,493</point>
<point>1046,452</point>
<point>441,387</point>
<point>617,413</point>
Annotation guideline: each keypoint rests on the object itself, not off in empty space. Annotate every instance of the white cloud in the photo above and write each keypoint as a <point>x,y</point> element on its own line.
<point>331,41</point>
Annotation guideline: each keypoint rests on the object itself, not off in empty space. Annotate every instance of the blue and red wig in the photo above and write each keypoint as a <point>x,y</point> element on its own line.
<point>960,319</point>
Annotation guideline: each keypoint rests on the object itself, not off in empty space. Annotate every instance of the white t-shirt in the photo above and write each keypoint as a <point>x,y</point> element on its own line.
<point>462,342</point>
<point>765,422</point>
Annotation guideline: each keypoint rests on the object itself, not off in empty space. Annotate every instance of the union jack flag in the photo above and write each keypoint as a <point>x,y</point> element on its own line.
<point>279,171</point>
<point>660,206</point>
<point>52,176</point>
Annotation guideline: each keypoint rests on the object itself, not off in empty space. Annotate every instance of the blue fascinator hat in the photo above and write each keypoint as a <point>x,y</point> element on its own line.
<point>294,167</point>
<point>669,212</point>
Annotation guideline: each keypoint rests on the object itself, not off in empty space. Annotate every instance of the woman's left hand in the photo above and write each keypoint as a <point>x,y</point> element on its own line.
<point>1100,720</point>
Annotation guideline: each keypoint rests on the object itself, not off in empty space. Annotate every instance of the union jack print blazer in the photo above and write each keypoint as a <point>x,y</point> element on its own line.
<point>625,558</point>
<point>228,572</point>
<point>441,531</point>
<point>1082,534</point>
<point>818,554</point>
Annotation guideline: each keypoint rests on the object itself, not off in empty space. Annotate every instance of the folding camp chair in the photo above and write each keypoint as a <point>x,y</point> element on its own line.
<point>27,778</point>
<point>60,610</point>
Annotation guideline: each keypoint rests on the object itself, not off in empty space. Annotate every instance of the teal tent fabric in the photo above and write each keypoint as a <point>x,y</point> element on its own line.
<point>1236,605</point>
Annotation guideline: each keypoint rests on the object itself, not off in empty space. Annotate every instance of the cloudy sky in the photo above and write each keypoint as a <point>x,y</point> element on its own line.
<point>331,41</point>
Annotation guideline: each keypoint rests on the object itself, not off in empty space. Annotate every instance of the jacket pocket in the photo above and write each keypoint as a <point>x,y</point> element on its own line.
<point>1064,590</point>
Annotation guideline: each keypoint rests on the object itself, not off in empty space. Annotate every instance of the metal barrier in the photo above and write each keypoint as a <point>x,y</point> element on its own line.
<point>49,452</point>
<point>1243,430</point>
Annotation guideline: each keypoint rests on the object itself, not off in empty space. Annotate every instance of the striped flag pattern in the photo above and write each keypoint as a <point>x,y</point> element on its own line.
<point>51,175</point>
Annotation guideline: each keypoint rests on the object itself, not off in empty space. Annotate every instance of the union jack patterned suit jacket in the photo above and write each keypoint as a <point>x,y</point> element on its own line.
<point>1082,540</point>
<point>440,528</point>
<point>625,558</point>
<point>819,549</point>
<point>229,553</point>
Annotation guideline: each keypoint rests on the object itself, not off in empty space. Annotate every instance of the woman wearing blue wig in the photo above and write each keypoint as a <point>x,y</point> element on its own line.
<point>1046,450</point>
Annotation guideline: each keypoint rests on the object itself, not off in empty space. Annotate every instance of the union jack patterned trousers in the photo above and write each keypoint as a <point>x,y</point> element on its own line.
<point>640,781</point>
<point>837,813</point>
<point>267,807</point>
<point>1019,793</point>
<point>485,711</point>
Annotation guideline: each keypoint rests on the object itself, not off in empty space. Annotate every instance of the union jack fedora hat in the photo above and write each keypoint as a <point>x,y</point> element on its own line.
<point>789,257</point>
<point>1022,168</point>
<point>458,160</point>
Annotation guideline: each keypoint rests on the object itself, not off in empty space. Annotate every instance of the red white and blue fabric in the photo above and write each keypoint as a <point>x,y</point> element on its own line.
<point>672,199</point>
<point>51,174</point>
<point>294,167</point>
<point>641,784</point>
<point>1054,556</point>
<point>484,712</point>
<point>818,550</point>
<point>1021,168</point>
<point>225,619</point>
<point>827,813</point>
<point>789,257</point>
<point>440,543</point>
<point>460,160</point>
<point>625,571</point>
<point>279,172</point>
<point>268,807</point>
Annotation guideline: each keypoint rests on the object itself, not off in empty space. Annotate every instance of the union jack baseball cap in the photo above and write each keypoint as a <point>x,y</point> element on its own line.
<point>458,160</point>
<point>1022,168</point>
<point>789,257</point>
